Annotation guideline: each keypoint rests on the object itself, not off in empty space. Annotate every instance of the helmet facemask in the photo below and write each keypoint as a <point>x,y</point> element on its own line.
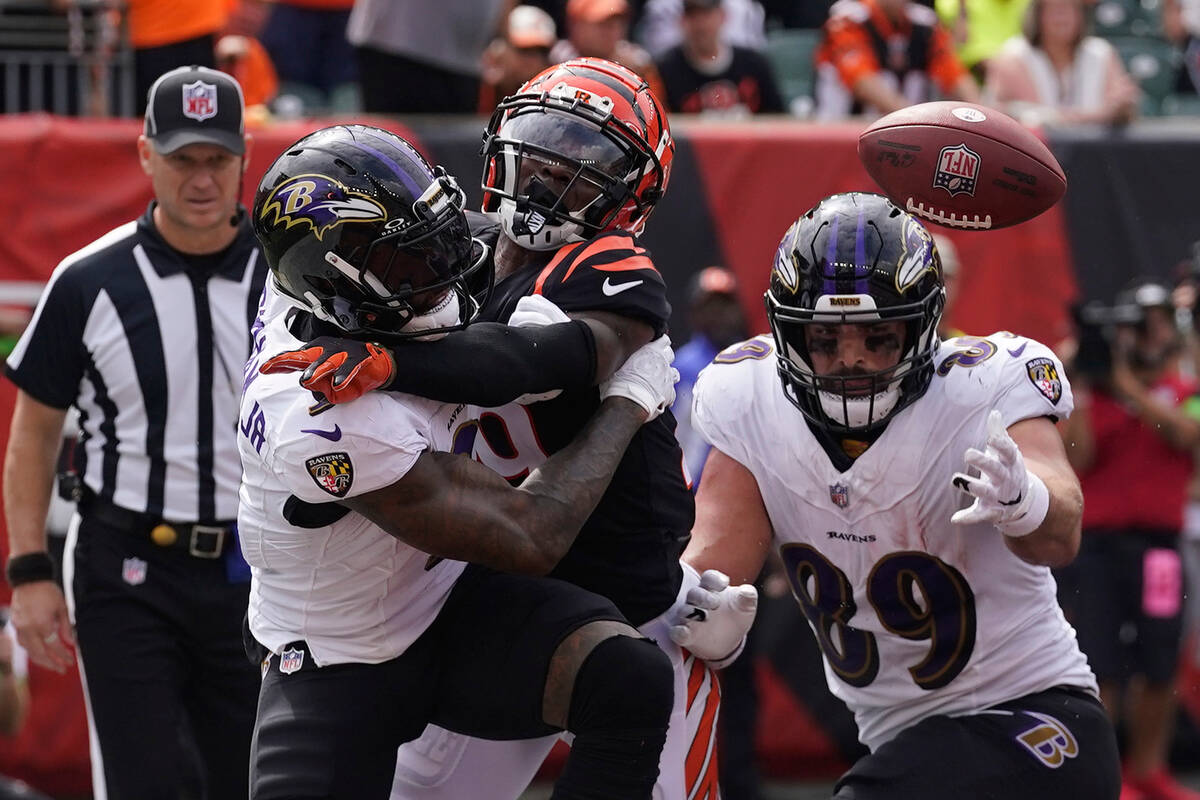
<point>560,168</point>
<point>358,228</point>
<point>861,401</point>
<point>403,283</point>
<point>855,259</point>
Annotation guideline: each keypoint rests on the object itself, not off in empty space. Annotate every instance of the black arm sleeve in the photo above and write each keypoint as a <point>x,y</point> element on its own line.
<point>489,364</point>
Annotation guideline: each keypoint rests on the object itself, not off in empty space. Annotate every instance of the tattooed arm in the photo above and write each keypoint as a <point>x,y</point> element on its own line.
<point>454,507</point>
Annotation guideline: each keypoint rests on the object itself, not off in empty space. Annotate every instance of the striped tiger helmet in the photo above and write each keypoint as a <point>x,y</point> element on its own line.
<point>582,148</point>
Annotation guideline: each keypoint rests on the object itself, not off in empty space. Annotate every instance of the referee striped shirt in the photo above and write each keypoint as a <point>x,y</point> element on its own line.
<point>151,351</point>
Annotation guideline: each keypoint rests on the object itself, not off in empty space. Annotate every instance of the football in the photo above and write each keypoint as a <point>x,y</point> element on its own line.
<point>961,165</point>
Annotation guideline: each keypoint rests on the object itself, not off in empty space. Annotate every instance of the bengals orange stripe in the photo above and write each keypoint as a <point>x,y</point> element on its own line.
<point>637,262</point>
<point>695,678</point>
<point>700,766</point>
<point>710,786</point>
<point>562,255</point>
<point>608,244</point>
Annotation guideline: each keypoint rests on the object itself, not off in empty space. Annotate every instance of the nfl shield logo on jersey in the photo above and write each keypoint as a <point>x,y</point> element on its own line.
<point>839,493</point>
<point>291,660</point>
<point>133,571</point>
<point>199,100</point>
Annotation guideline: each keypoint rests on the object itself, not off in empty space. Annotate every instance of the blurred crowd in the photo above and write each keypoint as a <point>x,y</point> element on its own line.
<point>1134,361</point>
<point>1101,61</point>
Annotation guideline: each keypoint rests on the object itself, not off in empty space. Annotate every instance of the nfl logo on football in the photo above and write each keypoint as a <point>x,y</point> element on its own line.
<point>291,660</point>
<point>957,170</point>
<point>199,100</point>
<point>839,493</point>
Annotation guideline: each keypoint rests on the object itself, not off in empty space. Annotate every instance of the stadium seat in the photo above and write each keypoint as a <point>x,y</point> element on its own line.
<point>1127,18</point>
<point>345,98</point>
<point>1153,63</point>
<point>1181,105</point>
<point>295,100</point>
<point>790,51</point>
<point>78,63</point>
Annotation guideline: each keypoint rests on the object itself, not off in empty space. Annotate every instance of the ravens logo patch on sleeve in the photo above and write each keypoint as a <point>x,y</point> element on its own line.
<point>333,472</point>
<point>1044,375</point>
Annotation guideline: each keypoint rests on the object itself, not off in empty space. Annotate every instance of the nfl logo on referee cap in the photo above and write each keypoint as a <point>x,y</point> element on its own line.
<point>195,105</point>
<point>199,100</point>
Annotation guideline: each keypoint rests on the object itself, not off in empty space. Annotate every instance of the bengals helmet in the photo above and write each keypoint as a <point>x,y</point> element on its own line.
<point>582,148</point>
<point>358,228</point>
<point>855,258</point>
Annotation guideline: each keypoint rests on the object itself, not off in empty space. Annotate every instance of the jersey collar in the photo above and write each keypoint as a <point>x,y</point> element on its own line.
<point>167,261</point>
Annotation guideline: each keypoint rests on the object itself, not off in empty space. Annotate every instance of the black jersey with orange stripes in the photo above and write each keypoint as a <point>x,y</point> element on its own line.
<point>629,548</point>
<point>610,272</point>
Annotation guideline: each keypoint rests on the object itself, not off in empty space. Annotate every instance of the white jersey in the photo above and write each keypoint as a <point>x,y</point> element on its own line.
<point>348,589</point>
<point>916,616</point>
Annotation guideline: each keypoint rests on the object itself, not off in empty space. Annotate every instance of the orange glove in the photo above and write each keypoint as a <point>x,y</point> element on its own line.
<point>340,369</point>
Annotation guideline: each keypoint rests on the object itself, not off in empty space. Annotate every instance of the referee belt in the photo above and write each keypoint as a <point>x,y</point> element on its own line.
<point>201,541</point>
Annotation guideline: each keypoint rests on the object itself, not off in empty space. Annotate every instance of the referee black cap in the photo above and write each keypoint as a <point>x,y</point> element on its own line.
<point>195,104</point>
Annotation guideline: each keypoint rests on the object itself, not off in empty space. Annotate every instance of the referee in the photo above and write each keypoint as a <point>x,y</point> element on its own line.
<point>145,331</point>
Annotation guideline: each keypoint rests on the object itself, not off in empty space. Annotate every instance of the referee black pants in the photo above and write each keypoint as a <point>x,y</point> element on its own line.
<point>169,689</point>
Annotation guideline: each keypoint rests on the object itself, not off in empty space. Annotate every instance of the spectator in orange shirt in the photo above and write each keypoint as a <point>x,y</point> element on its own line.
<point>247,61</point>
<point>166,34</point>
<point>600,29</point>
<point>878,56</point>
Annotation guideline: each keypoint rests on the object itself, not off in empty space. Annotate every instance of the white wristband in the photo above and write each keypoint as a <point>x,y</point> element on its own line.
<point>690,578</point>
<point>1036,504</point>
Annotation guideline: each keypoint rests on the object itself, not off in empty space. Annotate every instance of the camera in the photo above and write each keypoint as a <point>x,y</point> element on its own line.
<point>1095,325</point>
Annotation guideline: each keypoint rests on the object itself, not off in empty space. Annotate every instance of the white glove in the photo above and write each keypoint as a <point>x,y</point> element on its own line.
<point>1006,494</point>
<point>714,621</point>
<point>647,378</point>
<point>533,310</point>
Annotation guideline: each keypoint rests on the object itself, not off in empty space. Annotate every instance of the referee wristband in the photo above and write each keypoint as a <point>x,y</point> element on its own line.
<point>29,568</point>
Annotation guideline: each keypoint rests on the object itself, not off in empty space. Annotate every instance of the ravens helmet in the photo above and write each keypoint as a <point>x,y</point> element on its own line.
<point>582,148</point>
<point>855,258</point>
<point>358,228</point>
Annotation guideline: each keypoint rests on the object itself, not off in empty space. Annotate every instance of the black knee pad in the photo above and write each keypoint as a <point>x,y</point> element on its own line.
<point>624,683</point>
<point>620,711</point>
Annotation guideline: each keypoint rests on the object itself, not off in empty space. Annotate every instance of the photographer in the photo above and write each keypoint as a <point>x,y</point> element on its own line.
<point>1130,440</point>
